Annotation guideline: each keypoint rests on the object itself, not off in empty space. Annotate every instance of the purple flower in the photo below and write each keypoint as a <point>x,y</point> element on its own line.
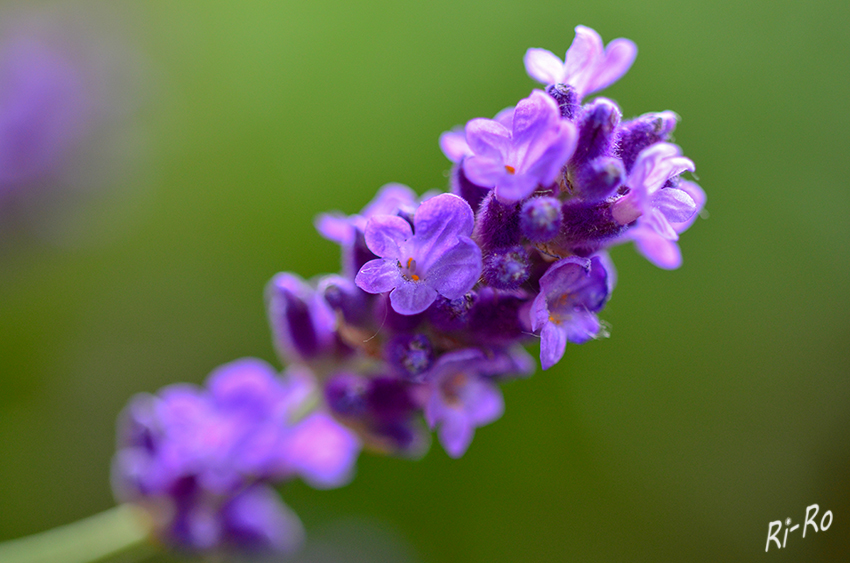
<point>257,521</point>
<point>462,398</point>
<point>434,257</point>
<point>44,110</point>
<point>571,292</point>
<point>516,160</point>
<point>253,521</point>
<point>587,67</point>
<point>347,230</point>
<point>660,206</point>
<point>319,450</point>
<point>196,451</point>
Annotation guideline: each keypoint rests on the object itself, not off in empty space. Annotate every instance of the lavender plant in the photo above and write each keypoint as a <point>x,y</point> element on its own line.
<point>436,297</point>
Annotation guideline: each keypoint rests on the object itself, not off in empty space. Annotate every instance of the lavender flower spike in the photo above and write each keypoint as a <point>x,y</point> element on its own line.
<point>587,66</point>
<point>571,292</point>
<point>531,153</point>
<point>416,264</point>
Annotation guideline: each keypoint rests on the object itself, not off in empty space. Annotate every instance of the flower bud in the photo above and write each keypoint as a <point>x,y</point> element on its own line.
<point>540,218</point>
<point>506,268</point>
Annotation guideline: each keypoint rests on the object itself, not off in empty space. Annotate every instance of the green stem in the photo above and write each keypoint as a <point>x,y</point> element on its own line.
<point>86,541</point>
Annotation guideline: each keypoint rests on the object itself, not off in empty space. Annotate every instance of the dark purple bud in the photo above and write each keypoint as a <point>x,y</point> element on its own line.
<point>389,399</point>
<point>345,297</point>
<point>567,99</point>
<point>506,268</point>
<point>411,355</point>
<point>302,322</point>
<point>346,394</point>
<point>451,314</point>
<point>540,218</point>
<point>599,178</point>
<point>495,318</point>
<point>497,224</point>
<point>597,125</point>
<point>587,226</point>
<point>641,132</point>
<point>462,186</point>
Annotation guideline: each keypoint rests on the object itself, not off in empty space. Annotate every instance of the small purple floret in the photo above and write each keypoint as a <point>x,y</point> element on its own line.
<point>517,160</point>
<point>436,257</point>
<point>411,355</point>
<point>587,66</point>
<point>571,293</point>
<point>462,398</point>
<point>655,204</point>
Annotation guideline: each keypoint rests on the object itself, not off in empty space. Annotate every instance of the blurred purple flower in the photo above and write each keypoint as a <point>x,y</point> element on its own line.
<point>194,452</point>
<point>462,398</point>
<point>44,109</point>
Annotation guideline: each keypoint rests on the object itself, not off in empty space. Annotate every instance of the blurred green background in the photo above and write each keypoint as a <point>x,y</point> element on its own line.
<point>720,402</point>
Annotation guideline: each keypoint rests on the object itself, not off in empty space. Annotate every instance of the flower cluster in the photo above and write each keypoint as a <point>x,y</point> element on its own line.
<point>201,459</point>
<point>436,297</point>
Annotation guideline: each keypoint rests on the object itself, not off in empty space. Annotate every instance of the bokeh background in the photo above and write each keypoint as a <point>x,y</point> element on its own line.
<point>718,404</point>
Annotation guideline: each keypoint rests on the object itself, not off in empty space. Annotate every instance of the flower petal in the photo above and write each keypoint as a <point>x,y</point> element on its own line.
<point>385,233</point>
<point>510,189</point>
<point>534,117</point>
<point>483,171</point>
<point>389,199</point>
<point>454,146</point>
<point>488,138</point>
<point>544,66</point>
<point>378,276</point>
<point>506,117</point>
<point>698,195</point>
<point>618,59</point>
<point>582,56</point>
<point>553,344</point>
<point>411,297</point>
<point>581,327</point>
<point>658,250</point>
<point>484,404</point>
<point>676,205</point>
<point>658,223</point>
<point>549,163</point>
<point>457,270</point>
<point>439,222</point>
<point>335,227</point>
<point>455,432</point>
<point>321,451</point>
<point>257,519</point>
